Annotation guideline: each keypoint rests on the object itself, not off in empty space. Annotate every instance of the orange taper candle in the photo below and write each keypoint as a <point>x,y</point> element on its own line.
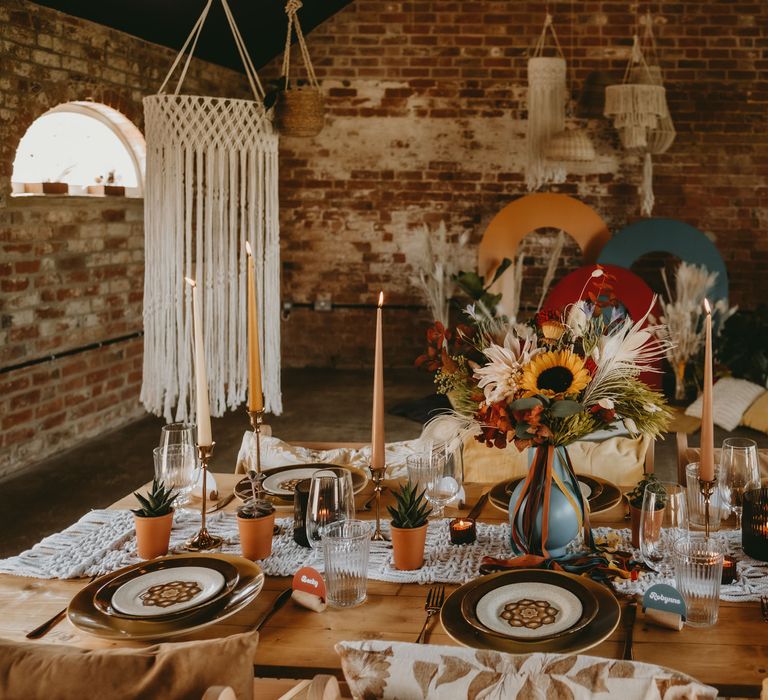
<point>377,429</point>
<point>707,460</point>
<point>255,393</point>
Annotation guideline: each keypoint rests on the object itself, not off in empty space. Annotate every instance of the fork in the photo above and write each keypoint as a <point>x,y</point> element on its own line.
<point>435,598</point>
<point>764,607</point>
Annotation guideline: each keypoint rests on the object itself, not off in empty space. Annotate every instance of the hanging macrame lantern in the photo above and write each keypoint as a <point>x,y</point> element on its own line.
<point>635,108</point>
<point>300,109</point>
<point>546,110</point>
<point>211,185</point>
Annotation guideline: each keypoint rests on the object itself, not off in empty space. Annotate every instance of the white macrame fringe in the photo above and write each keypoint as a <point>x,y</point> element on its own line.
<point>647,198</point>
<point>546,117</point>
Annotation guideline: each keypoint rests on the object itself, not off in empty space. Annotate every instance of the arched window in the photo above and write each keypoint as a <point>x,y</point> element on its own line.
<point>80,148</point>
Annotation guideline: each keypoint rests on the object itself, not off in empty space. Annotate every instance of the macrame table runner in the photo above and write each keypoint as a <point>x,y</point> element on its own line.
<point>103,541</point>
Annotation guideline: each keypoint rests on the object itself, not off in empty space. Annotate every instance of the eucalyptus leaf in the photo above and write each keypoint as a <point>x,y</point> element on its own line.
<point>526,403</point>
<point>521,431</point>
<point>565,407</point>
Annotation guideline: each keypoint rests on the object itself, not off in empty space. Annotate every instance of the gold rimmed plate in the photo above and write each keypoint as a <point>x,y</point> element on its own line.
<point>174,569</point>
<point>604,495</point>
<point>85,616</point>
<point>600,628</point>
<point>578,602</point>
<point>280,482</point>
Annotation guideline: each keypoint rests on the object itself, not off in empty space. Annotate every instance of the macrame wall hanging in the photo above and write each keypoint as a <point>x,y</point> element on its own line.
<point>547,98</point>
<point>300,109</point>
<point>211,184</point>
<point>639,111</point>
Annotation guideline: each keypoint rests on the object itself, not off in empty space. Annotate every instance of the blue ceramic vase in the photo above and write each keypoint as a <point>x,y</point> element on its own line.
<point>565,514</point>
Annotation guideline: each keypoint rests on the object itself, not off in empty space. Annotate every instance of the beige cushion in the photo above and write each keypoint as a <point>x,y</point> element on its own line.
<point>756,416</point>
<point>389,670</point>
<point>617,459</point>
<point>730,399</point>
<point>168,671</point>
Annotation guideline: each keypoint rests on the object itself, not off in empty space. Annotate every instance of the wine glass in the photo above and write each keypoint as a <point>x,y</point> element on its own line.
<point>176,466</point>
<point>331,499</point>
<point>663,520</point>
<point>444,481</point>
<point>739,472</point>
<point>178,434</point>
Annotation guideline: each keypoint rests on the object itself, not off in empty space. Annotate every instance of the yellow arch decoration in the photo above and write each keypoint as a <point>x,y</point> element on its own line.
<point>541,210</point>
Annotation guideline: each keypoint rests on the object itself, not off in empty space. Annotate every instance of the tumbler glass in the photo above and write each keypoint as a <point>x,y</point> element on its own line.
<point>331,499</point>
<point>178,434</point>
<point>176,466</point>
<point>345,549</point>
<point>695,501</point>
<point>698,570</point>
<point>739,472</point>
<point>663,520</point>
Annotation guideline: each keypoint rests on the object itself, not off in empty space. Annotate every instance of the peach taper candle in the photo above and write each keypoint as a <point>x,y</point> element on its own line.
<point>201,375</point>
<point>707,460</point>
<point>377,429</point>
<point>255,392</point>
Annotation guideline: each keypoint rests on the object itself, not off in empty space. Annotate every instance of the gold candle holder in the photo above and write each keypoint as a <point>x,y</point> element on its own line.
<point>203,540</point>
<point>377,475</point>
<point>707,488</point>
<point>257,419</point>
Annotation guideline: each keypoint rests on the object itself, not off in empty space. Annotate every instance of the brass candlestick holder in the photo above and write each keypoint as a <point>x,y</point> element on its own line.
<point>707,488</point>
<point>377,475</point>
<point>203,540</point>
<point>257,419</point>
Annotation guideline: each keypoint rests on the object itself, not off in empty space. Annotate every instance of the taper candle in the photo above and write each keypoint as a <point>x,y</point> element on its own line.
<point>201,375</point>
<point>255,392</point>
<point>377,429</point>
<point>707,460</point>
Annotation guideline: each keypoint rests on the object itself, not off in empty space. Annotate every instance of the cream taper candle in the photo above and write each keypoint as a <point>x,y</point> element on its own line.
<point>201,375</point>
<point>707,459</point>
<point>377,429</point>
<point>255,391</point>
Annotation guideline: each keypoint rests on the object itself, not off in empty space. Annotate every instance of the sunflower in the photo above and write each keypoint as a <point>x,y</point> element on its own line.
<point>555,374</point>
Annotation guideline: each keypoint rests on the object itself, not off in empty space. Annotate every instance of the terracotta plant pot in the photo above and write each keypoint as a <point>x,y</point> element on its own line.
<point>635,514</point>
<point>408,547</point>
<point>153,535</point>
<point>256,536</point>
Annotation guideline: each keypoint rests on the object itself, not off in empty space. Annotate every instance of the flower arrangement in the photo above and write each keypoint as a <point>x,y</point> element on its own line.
<point>557,379</point>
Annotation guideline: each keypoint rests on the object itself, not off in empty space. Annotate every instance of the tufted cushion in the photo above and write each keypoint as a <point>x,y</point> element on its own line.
<point>756,416</point>
<point>730,399</point>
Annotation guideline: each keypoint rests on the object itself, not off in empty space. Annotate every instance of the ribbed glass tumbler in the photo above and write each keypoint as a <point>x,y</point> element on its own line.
<point>698,570</point>
<point>345,547</point>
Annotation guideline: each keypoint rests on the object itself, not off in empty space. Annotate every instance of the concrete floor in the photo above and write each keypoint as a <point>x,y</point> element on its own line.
<point>319,405</point>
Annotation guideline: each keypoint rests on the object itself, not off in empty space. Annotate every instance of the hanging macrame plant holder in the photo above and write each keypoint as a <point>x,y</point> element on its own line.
<point>663,136</point>
<point>300,109</point>
<point>211,184</point>
<point>547,98</point>
<point>636,108</point>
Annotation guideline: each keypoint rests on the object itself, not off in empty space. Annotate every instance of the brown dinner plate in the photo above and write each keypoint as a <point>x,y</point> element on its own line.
<point>607,494</point>
<point>84,615</point>
<point>600,628</point>
<point>102,599</point>
<point>573,584</point>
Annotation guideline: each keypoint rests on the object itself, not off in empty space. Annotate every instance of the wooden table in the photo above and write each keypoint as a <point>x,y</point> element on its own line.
<point>298,643</point>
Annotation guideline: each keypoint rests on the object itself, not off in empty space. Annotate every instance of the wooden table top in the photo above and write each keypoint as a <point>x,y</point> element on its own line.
<point>298,643</point>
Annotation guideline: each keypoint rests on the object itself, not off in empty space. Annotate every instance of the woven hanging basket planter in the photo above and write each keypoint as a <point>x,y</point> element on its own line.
<point>571,145</point>
<point>663,136</point>
<point>300,110</point>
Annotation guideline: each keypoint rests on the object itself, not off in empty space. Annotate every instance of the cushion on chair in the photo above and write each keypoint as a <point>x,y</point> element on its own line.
<point>617,459</point>
<point>756,416</point>
<point>730,399</point>
<point>376,669</point>
<point>170,670</point>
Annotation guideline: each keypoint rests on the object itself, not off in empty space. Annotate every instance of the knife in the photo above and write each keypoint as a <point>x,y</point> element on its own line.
<point>221,503</point>
<point>276,605</point>
<point>472,515</point>
<point>629,622</point>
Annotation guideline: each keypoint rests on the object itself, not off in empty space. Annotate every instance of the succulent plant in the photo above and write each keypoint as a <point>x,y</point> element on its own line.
<point>255,508</point>
<point>158,501</point>
<point>411,509</point>
<point>635,496</point>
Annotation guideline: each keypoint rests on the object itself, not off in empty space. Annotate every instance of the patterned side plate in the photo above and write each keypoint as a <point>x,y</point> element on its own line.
<point>85,616</point>
<point>168,567</point>
<point>604,622</point>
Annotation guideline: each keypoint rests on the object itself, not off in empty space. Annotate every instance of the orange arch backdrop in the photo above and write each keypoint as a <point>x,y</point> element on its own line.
<point>542,210</point>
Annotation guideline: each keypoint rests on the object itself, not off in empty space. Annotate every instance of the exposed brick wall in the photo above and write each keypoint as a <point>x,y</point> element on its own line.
<point>71,269</point>
<point>426,102</point>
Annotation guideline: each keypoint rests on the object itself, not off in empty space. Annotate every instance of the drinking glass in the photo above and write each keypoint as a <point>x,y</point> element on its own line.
<point>698,570</point>
<point>177,467</point>
<point>178,434</point>
<point>695,500</point>
<point>445,482</point>
<point>663,520</point>
<point>330,500</point>
<point>345,549</point>
<point>739,472</point>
